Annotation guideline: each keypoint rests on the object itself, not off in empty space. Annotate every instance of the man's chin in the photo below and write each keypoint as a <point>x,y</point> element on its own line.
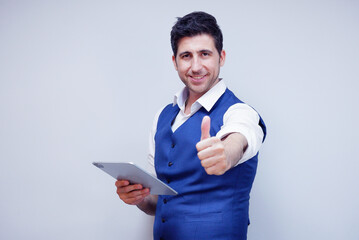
<point>198,90</point>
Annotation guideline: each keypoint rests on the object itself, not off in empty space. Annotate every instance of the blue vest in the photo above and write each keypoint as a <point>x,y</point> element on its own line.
<point>207,207</point>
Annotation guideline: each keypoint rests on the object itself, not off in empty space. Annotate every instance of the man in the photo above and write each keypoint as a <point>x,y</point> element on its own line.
<point>204,145</point>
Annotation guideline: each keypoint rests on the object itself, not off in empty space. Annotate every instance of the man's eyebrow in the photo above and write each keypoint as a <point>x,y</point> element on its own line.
<point>205,51</point>
<point>200,51</point>
<point>183,53</point>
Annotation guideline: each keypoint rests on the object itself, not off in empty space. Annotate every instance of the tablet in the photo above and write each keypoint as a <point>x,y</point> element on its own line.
<point>134,174</point>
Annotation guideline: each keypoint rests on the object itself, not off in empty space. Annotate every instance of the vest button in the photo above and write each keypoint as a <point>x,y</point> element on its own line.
<point>170,164</point>
<point>168,181</point>
<point>173,145</point>
<point>165,201</point>
<point>163,220</point>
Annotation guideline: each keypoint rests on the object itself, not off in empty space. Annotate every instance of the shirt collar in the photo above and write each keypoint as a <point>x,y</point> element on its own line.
<point>207,100</point>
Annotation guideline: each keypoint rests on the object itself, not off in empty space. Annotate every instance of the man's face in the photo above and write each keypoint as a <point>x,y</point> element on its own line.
<point>197,63</point>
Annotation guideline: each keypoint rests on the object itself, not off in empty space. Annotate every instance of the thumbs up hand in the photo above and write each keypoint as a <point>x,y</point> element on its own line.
<point>211,151</point>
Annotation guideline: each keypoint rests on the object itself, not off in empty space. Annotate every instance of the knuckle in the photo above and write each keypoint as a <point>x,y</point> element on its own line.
<point>220,148</point>
<point>133,194</point>
<point>205,164</point>
<point>197,147</point>
<point>118,184</point>
<point>217,149</point>
<point>209,171</point>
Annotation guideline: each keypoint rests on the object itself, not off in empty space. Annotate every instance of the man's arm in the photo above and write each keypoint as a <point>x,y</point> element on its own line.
<point>218,156</point>
<point>135,194</point>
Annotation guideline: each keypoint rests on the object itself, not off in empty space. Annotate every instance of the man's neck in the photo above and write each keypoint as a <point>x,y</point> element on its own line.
<point>192,98</point>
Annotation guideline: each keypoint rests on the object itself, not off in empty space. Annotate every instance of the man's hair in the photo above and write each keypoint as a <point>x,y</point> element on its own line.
<point>194,24</point>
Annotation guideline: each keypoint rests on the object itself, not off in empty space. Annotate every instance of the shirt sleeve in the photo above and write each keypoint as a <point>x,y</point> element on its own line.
<point>243,119</point>
<point>152,145</point>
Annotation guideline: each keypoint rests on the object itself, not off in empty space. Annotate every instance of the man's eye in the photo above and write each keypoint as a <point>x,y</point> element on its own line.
<point>205,54</point>
<point>185,56</point>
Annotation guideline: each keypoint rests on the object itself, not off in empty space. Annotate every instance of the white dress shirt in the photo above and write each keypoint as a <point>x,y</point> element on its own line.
<point>239,118</point>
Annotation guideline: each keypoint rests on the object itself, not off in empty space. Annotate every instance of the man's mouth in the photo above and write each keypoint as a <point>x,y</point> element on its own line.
<point>198,78</point>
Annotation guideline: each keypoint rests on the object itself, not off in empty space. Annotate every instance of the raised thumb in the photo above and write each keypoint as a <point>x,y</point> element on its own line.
<point>205,127</point>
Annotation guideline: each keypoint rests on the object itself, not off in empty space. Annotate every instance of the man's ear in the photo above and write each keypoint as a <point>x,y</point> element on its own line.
<point>222,58</point>
<point>174,62</point>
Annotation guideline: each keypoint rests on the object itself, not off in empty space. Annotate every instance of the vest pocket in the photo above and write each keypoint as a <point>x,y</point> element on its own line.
<point>204,217</point>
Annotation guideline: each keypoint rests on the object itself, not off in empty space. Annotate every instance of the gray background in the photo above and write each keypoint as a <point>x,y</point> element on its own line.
<point>80,81</point>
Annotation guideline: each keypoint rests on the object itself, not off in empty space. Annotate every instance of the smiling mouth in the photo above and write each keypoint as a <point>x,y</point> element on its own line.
<point>198,78</point>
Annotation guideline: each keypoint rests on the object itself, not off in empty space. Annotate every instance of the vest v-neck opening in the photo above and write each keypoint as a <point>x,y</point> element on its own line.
<point>181,126</point>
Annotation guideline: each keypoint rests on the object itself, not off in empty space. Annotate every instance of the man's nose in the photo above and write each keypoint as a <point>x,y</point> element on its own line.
<point>196,65</point>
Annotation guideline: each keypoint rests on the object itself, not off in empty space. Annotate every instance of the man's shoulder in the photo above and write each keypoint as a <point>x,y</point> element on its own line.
<point>168,109</point>
<point>229,98</point>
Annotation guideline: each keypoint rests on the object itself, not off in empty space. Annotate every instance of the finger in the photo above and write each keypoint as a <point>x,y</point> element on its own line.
<point>211,144</point>
<point>130,197</point>
<point>211,161</point>
<point>133,200</point>
<point>130,188</point>
<point>137,200</point>
<point>205,127</point>
<point>122,183</point>
<point>133,193</point>
<point>206,143</point>
<point>206,153</point>
<point>215,170</point>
